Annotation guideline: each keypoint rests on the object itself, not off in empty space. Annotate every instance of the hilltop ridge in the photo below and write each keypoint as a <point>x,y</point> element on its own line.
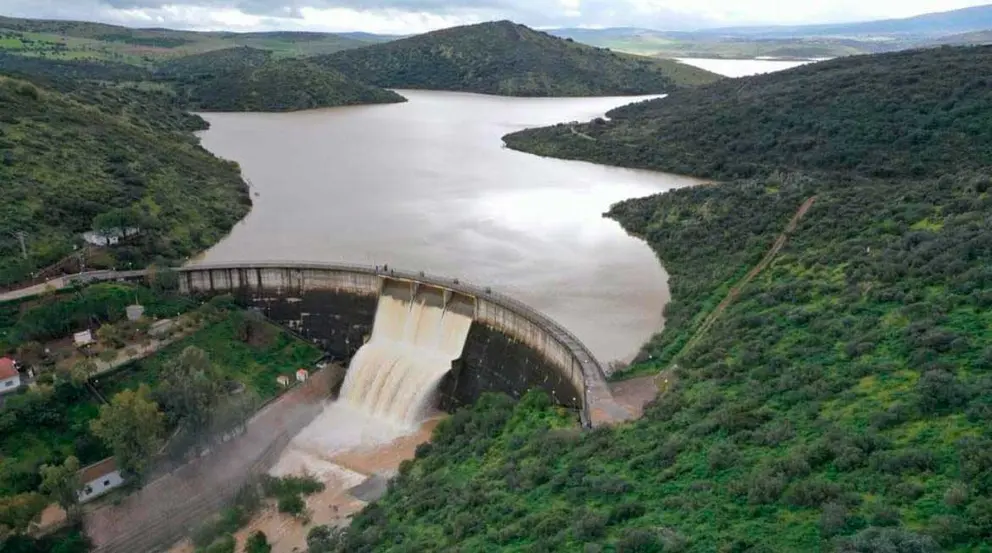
<point>248,79</point>
<point>509,59</point>
<point>855,119</point>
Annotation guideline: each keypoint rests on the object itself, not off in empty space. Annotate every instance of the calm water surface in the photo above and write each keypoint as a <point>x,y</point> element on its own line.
<point>427,185</point>
<point>742,68</point>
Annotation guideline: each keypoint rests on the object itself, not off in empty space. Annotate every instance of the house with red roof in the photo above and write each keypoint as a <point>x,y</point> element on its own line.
<point>10,378</point>
<point>99,478</point>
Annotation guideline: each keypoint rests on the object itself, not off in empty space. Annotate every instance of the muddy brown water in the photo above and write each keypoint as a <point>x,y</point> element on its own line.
<point>427,185</point>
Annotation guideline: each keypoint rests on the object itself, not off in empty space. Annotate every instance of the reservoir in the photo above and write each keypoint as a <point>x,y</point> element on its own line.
<point>427,186</point>
<point>745,67</point>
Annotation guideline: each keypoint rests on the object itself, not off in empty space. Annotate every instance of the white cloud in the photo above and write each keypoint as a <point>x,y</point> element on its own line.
<point>412,16</point>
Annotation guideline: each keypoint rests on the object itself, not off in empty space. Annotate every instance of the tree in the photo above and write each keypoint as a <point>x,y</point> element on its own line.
<point>257,543</point>
<point>106,225</point>
<point>118,222</point>
<point>325,539</point>
<point>191,389</point>
<point>18,512</point>
<point>81,371</point>
<point>61,483</point>
<point>31,353</point>
<point>130,426</point>
<point>111,335</point>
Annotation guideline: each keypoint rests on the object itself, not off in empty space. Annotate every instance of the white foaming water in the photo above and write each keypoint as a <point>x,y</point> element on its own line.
<point>386,393</point>
<point>394,375</point>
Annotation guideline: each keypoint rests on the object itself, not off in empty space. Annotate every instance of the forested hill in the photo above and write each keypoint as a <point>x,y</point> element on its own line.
<point>247,79</point>
<point>841,403</point>
<point>71,160</point>
<point>916,113</point>
<point>509,59</point>
<point>71,40</point>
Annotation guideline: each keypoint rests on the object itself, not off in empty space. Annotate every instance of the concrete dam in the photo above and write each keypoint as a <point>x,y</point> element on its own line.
<point>417,341</point>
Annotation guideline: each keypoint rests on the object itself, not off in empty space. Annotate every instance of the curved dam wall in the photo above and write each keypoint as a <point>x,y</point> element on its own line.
<point>510,348</point>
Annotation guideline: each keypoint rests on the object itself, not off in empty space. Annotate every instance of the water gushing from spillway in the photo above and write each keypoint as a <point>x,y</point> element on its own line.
<point>389,385</point>
<point>395,374</point>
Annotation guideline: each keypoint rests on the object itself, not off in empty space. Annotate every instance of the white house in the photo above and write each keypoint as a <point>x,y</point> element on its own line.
<point>99,478</point>
<point>302,375</point>
<point>10,379</point>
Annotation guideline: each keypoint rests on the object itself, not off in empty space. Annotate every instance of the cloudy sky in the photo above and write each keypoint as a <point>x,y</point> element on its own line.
<point>411,16</point>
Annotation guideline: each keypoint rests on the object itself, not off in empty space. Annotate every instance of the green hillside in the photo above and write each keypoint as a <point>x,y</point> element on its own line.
<point>66,158</point>
<point>246,79</point>
<point>74,40</point>
<point>512,60</point>
<point>840,403</point>
<point>904,114</point>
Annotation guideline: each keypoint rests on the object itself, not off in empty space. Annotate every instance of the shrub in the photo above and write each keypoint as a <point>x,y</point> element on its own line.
<point>765,488</point>
<point>635,540</point>
<point>949,529</point>
<point>939,390</point>
<point>325,539</point>
<point>907,460</point>
<point>257,543</point>
<point>625,512</point>
<point>290,485</point>
<point>28,91</point>
<point>956,495</point>
<point>292,505</point>
<point>722,456</point>
<point>875,540</point>
<point>589,526</point>
<point>224,544</point>
<point>813,493</point>
<point>229,521</point>
<point>833,519</point>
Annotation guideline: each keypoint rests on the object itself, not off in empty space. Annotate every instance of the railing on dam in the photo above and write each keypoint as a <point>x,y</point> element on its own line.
<point>596,392</point>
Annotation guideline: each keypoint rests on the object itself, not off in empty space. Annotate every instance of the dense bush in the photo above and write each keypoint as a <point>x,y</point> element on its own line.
<point>246,79</point>
<point>67,159</point>
<point>912,114</point>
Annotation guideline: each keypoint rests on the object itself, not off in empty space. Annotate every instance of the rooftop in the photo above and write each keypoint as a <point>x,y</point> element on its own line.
<point>7,369</point>
<point>97,470</point>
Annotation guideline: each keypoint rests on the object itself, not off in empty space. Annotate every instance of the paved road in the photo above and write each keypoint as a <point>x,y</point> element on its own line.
<point>35,290</point>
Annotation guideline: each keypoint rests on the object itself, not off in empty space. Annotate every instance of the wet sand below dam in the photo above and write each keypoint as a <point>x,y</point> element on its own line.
<point>339,471</point>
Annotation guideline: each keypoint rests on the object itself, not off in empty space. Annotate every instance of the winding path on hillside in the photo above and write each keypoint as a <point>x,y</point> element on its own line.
<point>755,271</point>
<point>632,393</point>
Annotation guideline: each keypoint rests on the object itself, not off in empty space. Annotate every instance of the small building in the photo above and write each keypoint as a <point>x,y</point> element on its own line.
<point>302,375</point>
<point>99,478</point>
<point>283,381</point>
<point>110,237</point>
<point>10,378</point>
<point>82,339</point>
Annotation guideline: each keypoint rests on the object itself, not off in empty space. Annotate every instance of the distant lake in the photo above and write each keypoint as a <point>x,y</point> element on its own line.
<point>427,185</point>
<point>742,68</point>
